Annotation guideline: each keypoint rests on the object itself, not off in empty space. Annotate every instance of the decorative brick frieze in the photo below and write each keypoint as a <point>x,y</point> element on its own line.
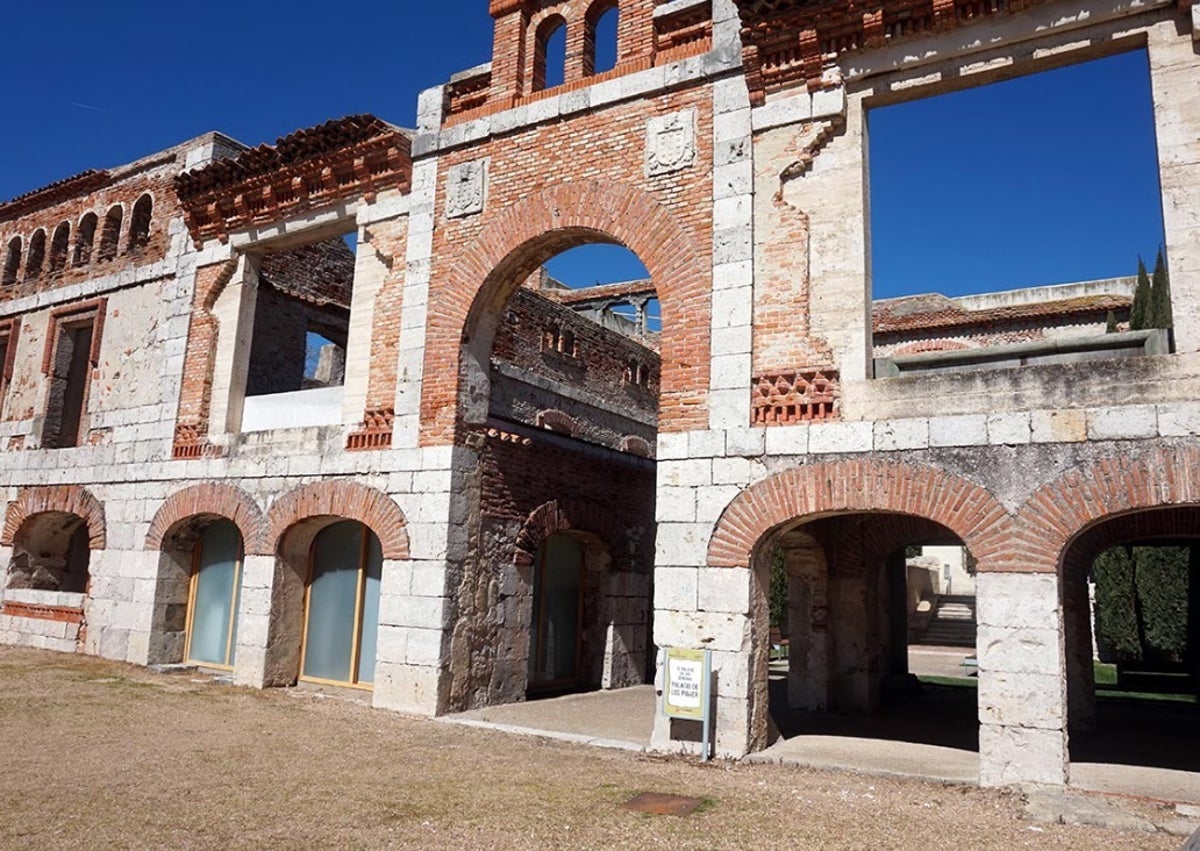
<point>356,156</point>
<point>59,614</point>
<point>375,432</point>
<point>795,396</point>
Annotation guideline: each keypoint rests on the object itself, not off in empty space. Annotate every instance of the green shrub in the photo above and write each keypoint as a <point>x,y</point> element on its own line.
<point>1142,603</point>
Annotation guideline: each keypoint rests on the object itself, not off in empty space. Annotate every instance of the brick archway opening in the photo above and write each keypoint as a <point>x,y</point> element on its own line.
<point>52,531</point>
<point>294,523</point>
<point>467,312</point>
<point>1130,587</point>
<point>843,528</point>
<point>843,605</point>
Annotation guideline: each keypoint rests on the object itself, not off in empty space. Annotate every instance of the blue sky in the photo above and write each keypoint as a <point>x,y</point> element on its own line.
<point>1044,179</point>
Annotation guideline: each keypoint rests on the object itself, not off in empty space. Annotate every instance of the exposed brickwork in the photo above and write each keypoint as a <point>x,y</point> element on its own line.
<point>212,498</point>
<point>67,499</point>
<point>390,246</point>
<point>321,273</point>
<point>93,310</point>
<point>795,396</point>
<point>866,485</point>
<point>76,210</point>
<point>60,614</point>
<point>354,156</point>
<point>481,260</point>
<point>518,76</point>
<point>341,498</point>
<point>195,394</point>
<point>564,515</point>
<point>1149,478</point>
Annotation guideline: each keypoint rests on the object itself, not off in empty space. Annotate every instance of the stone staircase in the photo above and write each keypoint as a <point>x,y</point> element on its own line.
<point>952,623</point>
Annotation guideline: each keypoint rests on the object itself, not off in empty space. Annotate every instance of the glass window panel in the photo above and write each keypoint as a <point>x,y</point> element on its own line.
<point>214,604</point>
<point>557,608</point>
<point>332,602</point>
<point>370,610</point>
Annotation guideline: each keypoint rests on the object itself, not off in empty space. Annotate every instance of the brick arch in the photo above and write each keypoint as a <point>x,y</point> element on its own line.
<point>223,500</point>
<point>862,485</point>
<point>519,238</point>
<point>565,515</point>
<point>884,534</point>
<point>67,499</point>
<point>1061,511</point>
<point>371,507</point>
<point>922,346</point>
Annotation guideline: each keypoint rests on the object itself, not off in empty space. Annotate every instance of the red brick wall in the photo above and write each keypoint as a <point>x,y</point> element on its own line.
<point>562,184</point>
<point>23,223</point>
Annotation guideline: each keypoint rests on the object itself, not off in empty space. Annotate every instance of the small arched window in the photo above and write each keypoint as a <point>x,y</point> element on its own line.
<point>12,261</point>
<point>37,254</point>
<point>60,246</point>
<point>600,37</point>
<point>110,237</point>
<point>139,223</point>
<point>550,54</point>
<point>85,239</point>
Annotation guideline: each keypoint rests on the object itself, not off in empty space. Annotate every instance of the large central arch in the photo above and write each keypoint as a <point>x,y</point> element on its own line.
<point>465,310</point>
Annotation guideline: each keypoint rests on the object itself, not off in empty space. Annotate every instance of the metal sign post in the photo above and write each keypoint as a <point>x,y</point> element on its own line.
<point>687,690</point>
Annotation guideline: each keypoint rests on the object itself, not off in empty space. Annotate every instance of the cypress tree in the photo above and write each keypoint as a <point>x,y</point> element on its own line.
<point>1110,326</point>
<point>1139,313</point>
<point>1160,314</point>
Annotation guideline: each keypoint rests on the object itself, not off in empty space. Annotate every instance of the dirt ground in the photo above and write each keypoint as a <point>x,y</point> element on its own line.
<point>97,754</point>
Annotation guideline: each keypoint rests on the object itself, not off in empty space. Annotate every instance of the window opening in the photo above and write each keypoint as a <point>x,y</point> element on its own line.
<point>70,373</point>
<point>60,247</point>
<point>139,223</point>
<point>12,261</point>
<point>110,237</point>
<point>550,57</point>
<point>85,239</point>
<point>600,48</point>
<point>342,605</point>
<point>213,596</point>
<point>37,254</point>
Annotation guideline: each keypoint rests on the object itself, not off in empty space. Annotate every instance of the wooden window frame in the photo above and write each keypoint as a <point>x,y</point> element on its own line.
<point>359,599</point>
<point>193,581</point>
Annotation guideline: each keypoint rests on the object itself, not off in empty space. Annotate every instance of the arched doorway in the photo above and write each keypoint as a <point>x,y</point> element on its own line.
<point>556,631</point>
<point>1131,609</point>
<point>213,593</point>
<point>341,606</point>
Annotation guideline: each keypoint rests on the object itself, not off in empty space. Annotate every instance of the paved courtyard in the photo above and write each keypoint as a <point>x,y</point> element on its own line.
<point>98,754</point>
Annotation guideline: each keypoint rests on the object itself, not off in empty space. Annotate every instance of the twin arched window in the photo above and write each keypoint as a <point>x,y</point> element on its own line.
<point>599,45</point>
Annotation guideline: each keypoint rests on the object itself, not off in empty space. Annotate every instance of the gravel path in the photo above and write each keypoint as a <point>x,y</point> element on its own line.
<point>97,754</point>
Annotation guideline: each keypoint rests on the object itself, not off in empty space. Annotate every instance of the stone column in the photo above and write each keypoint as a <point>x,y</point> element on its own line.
<point>1077,630</point>
<point>413,615</point>
<point>1174,79</point>
<point>853,617</point>
<point>1022,688</point>
<point>808,634</point>
<point>251,665</point>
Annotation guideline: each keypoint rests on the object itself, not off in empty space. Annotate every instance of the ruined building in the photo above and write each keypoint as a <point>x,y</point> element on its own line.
<point>420,468</point>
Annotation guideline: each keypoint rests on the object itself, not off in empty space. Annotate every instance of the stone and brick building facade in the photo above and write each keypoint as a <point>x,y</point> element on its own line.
<point>419,521</point>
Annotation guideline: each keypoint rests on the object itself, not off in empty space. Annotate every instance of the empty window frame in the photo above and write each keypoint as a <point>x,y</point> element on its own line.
<point>12,262</point>
<point>139,223</point>
<point>9,329</point>
<point>60,247</point>
<point>72,352</point>
<point>550,53</point>
<point>37,254</point>
<point>600,37</point>
<point>85,239</point>
<point>110,236</point>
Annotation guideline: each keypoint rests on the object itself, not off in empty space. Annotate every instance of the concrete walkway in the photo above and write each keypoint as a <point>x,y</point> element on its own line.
<point>1161,784</point>
<point>874,756</point>
<point>617,719</point>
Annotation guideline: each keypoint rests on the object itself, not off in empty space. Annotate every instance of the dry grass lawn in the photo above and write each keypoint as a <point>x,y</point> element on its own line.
<point>97,754</point>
